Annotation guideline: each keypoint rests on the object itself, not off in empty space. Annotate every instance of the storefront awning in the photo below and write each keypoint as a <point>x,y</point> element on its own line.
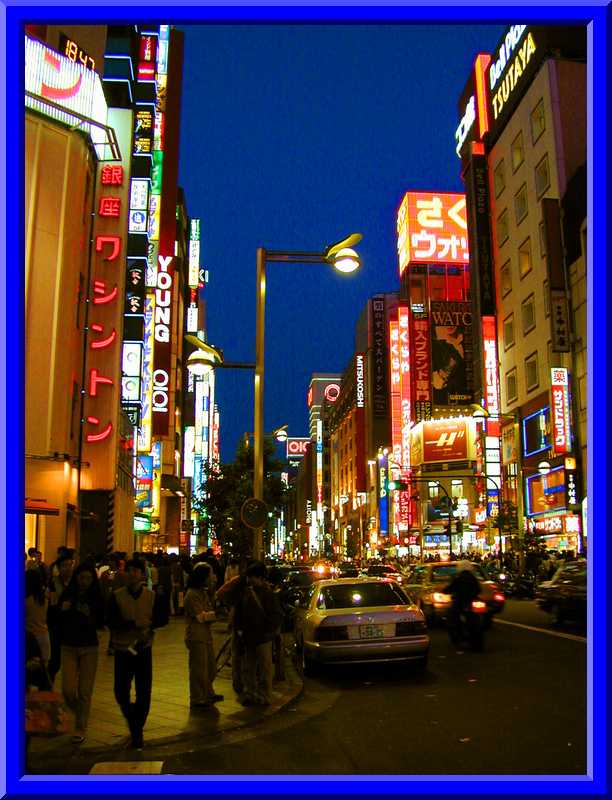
<point>38,506</point>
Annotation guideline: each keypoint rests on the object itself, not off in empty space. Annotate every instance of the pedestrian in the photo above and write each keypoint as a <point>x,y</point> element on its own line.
<point>260,618</point>
<point>199,617</point>
<point>57,586</point>
<point>81,616</point>
<point>134,611</point>
<point>232,569</point>
<point>231,594</point>
<point>36,604</point>
<point>178,586</point>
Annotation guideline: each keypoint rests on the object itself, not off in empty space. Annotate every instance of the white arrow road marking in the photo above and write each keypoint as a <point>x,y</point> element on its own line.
<point>543,630</point>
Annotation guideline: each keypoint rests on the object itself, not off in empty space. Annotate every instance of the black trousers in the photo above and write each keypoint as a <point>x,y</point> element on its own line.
<point>137,668</point>
<point>55,660</point>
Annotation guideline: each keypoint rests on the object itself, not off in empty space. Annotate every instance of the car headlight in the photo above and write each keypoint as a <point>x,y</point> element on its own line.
<point>440,597</point>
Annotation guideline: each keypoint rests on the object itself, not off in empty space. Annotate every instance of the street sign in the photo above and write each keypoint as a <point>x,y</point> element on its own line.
<point>254,512</point>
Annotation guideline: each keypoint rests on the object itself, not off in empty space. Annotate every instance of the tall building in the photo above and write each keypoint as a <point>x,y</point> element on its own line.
<point>522,141</point>
<point>103,108</point>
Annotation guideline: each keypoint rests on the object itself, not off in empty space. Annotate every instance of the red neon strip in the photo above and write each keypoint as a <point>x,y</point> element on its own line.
<point>480,67</point>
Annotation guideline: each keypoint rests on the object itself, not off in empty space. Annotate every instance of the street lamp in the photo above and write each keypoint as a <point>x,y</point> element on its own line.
<point>344,259</point>
<point>280,434</point>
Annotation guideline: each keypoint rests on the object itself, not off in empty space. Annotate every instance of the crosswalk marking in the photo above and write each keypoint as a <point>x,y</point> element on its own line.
<point>570,636</point>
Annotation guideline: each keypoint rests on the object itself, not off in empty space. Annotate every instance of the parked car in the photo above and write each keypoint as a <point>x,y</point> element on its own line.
<point>565,596</point>
<point>427,581</point>
<point>353,620</point>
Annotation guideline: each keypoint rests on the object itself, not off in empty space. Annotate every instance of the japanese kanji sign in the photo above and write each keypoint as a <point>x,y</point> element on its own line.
<point>421,371</point>
<point>432,229</point>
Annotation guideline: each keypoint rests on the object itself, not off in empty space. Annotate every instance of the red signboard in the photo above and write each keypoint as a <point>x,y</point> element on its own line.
<point>445,440</point>
<point>489,346</point>
<point>296,448</point>
<point>560,411</point>
<point>432,229</point>
<point>421,374</point>
<point>396,401</point>
<point>403,320</point>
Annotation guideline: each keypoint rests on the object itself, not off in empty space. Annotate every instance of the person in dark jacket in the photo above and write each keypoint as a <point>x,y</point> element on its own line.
<point>260,618</point>
<point>134,611</point>
<point>57,586</point>
<point>464,588</point>
<point>81,616</point>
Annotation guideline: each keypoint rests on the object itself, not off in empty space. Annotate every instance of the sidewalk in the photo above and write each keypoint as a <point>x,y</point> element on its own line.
<point>170,719</point>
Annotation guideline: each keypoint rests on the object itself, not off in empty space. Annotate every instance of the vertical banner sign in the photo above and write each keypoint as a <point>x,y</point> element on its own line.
<point>211,414</point>
<point>194,253</point>
<point>403,318</point>
<point>162,354</point>
<point>379,360</point>
<point>215,437</point>
<point>560,411</point>
<point>491,378</point>
<point>396,410</point>
<point>383,501</point>
<point>146,417</point>
<point>451,352</point>
<point>421,374</point>
<point>559,308</point>
<point>481,266</point>
<point>104,348</point>
<point>360,454</point>
<point>319,445</point>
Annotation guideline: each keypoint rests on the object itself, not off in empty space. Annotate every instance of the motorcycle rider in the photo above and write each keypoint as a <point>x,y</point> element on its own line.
<point>463,588</point>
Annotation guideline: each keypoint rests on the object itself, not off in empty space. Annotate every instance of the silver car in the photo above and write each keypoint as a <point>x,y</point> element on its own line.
<point>352,620</point>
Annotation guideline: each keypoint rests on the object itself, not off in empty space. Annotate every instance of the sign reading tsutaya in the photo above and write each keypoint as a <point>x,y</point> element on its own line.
<point>509,64</point>
<point>560,411</point>
<point>432,229</point>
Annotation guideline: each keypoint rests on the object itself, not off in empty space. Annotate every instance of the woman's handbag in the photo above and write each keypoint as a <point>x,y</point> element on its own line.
<point>46,714</point>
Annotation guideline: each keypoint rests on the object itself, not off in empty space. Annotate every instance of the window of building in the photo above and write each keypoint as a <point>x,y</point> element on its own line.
<point>433,490</point>
<point>524,257</point>
<point>532,380</point>
<point>511,386</point>
<point>456,488</point>
<point>509,332</point>
<point>542,176</point>
<point>542,239</point>
<point>520,204</point>
<point>546,293</point>
<point>528,314</point>
<point>518,152</point>
<point>499,178</point>
<point>506,279</point>
<point>502,227</point>
<point>538,121</point>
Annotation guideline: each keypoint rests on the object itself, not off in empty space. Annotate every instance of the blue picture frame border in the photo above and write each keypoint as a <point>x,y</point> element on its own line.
<point>12,18</point>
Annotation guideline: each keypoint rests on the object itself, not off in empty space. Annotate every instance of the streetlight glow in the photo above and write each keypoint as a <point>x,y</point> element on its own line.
<point>346,260</point>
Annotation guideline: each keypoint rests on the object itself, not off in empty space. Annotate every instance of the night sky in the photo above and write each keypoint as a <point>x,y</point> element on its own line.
<point>292,137</point>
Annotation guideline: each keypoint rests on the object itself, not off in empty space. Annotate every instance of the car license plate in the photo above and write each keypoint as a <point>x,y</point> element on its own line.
<point>371,631</point>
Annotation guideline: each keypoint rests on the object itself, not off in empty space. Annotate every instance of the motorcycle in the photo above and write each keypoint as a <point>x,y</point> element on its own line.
<point>468,625</point>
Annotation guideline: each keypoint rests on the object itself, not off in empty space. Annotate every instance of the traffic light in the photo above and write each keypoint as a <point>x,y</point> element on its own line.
<point>397,486</point>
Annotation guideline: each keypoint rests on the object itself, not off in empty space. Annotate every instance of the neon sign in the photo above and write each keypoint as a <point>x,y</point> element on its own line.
<point>560,413</point>
<point>513,73</point>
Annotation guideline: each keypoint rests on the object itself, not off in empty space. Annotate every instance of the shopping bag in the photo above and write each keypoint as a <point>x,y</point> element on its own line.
<point>46,713</point>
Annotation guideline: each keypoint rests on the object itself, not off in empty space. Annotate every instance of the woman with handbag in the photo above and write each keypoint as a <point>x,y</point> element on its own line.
<point>81,615</point>
<point>198,637</point>
<point>37,604</point>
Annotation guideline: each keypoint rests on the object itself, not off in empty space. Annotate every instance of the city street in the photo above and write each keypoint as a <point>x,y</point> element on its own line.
<point>517,708</point>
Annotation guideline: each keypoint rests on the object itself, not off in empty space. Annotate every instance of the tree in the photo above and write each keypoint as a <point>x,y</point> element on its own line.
<point>226,487</point>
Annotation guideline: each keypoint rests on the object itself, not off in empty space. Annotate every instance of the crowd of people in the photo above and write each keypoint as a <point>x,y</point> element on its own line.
<point>67,605</point>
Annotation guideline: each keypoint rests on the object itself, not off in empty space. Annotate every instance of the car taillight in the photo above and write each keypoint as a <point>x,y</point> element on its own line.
<point>410,628</point>
<point>499,597</point>
<point>478,606</point>
<point>331,633</point>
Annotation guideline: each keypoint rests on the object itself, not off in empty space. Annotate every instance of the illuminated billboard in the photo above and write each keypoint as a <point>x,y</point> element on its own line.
<point>297,447</point>
<point>560,411</point>
<point>432,229</point>
<point>445,440</point>
<point>451,352</point>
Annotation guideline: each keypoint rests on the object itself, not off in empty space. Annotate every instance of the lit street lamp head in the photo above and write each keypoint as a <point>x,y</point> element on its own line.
<point>203,360</point>
<point>342,256</point>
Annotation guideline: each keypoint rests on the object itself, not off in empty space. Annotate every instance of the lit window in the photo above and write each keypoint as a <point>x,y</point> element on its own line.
<point>542,177</point>
<point>528,314</point>
<point>518,152</point>
<point>499,179</point>
<point>542,239</point>
<point>520,204</point>
<point>524,256</point>
<point>538,121</point>
<point>532,380</point>
<point>511,387</point>
<point>456,488</point>
<point>502,228</point>
<point>433,489</point>
<point>506,278</point>
<point>509,332</point>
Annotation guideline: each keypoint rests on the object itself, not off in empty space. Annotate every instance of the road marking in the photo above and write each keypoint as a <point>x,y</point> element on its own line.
<point>127,768</point>
<point>543,630</point>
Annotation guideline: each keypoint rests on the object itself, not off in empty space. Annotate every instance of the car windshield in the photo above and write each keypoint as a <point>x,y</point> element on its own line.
<point>362,595</point>
<point>446,571</point>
